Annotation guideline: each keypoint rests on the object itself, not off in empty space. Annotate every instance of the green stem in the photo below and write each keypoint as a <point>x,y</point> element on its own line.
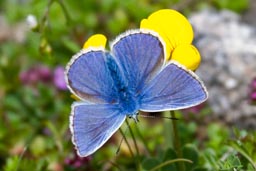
<point>43,22</point>
<point>128,145</point>
<point>168,131</point>
<point>176,142</point>
<point>137,159</point>
<point>142,139</point>
<point>65,11</point>
<point>45,17</point>
<point>170,162</point>
<point>133,137</point>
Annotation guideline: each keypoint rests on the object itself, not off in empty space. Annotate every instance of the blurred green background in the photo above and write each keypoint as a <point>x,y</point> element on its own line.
<point>35,104</point>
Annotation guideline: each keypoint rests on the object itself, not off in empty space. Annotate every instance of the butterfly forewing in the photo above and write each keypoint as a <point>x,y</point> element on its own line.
<point>140,55</point>
<point>89,78</point>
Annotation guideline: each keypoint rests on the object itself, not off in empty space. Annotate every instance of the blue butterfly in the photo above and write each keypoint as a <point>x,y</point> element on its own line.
<point>112,85</point>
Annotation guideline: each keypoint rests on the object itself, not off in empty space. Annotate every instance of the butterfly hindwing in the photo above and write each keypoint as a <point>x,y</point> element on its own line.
<point>173,88</point>
<point>140,54</point>
<point>92,125</point>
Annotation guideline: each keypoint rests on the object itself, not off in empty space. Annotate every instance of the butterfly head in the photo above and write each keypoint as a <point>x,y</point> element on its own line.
<point>134,116</point>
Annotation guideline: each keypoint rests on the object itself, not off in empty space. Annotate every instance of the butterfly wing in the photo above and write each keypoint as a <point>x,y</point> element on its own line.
<point>140,55</point>
<point>173,88</point>
<point>92,125</point>
<point>88,77</point>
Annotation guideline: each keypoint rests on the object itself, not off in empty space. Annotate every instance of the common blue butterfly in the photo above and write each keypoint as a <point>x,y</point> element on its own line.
<point>134,75</point>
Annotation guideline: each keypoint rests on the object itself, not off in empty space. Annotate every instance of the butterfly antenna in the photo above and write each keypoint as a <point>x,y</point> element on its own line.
<point>152,115</point>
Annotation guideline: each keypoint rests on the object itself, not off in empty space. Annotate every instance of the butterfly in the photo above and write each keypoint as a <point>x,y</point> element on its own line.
<point>112,85</point>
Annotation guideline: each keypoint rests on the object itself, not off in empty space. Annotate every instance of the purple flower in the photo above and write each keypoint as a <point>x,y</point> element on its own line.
<point>253,96</point>
<point>252,92</point>
<point>44,74</point>
<point>253,84</point>
<point>59,78</point>
<point>35,74</point>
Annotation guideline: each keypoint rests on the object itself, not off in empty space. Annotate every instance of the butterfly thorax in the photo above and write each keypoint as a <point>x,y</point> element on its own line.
<point>128,103</point>
<point>126,97</point>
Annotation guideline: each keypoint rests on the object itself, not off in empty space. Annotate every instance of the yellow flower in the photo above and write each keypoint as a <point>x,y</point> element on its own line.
<point>177,34</point>
<point>96,40</point>
<point>187,55</point>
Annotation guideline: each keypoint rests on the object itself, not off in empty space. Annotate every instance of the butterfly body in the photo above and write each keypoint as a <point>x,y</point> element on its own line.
<point>127,101</point>
<point>113,85</point>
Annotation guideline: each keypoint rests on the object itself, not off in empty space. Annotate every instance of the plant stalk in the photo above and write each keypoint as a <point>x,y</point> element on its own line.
<point>176,142</point>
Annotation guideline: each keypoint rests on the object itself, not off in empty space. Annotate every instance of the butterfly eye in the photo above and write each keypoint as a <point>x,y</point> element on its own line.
<point>134,116</point>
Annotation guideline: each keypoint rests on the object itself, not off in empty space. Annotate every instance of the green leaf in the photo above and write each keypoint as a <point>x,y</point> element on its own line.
<point>243,151</point>
<point>38,146</point>
<point>191,153</point>
<point>235,5</point>
<point>150,163</point>
<point>210,157</point>
<point>69,44</point>
<point>250,167</point>
<point>11,164</point>
<point>231,163</point>
<point>169,155</point>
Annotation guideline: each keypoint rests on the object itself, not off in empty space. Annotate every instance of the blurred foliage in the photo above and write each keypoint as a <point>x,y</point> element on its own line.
<point>34,112</point>
<point>234,5</point>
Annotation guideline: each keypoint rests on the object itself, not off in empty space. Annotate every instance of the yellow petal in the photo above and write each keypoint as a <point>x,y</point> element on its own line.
<point>187,55</point>
<point>145,23</point>
<point>97,40</point>
<point>172,26</point>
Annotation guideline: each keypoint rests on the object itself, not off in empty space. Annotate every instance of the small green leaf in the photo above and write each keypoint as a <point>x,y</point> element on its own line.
<point>38,146</point>
<point>70,45</point>
<point>150,163</point>
<point>169,155</point>
<point>242,150</point>
<point>210,157</point>
<point>191,153</point>
<point>250,167</point>
<point>232,162</point>
<point>11,163</point>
